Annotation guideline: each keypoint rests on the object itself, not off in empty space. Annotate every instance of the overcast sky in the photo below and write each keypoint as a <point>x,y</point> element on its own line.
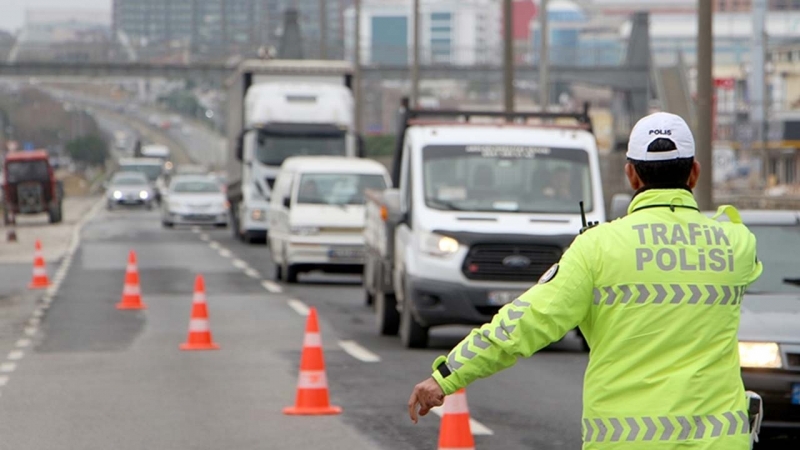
<point>12,12</point>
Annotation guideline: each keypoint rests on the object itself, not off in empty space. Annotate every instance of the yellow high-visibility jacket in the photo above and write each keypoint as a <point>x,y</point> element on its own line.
<point>657,295</point>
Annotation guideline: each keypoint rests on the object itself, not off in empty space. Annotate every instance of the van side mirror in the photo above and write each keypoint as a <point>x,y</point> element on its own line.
<point>240,146</point>
<point>361,148</point>
<point>287,202</point>
<point>619,205</point>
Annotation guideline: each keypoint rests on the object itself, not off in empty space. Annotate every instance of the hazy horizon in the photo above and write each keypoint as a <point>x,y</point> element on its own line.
<point>12,12</point>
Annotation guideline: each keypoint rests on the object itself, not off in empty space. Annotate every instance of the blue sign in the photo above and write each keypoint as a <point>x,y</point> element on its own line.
<point>27,146</point>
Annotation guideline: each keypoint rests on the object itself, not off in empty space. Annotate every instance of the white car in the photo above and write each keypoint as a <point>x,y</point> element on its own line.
<point>129,189</point>
<point>194,200</point>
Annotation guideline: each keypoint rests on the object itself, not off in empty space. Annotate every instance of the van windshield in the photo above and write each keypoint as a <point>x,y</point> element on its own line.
<point>494,178</point>
<point>337,189</point>
<point>151,171</point>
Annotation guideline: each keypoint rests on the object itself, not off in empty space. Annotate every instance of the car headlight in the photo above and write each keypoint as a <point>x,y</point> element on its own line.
<point>259,215</point>
<point>117,195</point>
<point>305,231</point>
<point>143,195</point>
<point>438,245</point>
<point>760,355</point>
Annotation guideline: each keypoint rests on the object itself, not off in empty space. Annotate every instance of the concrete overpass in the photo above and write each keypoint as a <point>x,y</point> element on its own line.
<point>632,77</point>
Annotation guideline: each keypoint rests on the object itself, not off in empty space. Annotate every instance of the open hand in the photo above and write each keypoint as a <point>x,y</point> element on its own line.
<point>426,395</point>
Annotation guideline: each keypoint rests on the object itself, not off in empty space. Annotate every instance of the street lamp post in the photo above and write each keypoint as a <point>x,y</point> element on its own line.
<point>415,62</point>
<point>508,57</point>
<point>357,71</point>
<point>705,125</point>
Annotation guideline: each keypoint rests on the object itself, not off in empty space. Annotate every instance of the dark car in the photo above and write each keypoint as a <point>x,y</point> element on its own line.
<point>769,334</point>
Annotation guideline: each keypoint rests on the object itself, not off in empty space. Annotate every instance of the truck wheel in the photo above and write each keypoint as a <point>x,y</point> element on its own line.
<point>412,334</point>
<point>386,315</point>
<point>55,214</point>
<point>290,274</point>
<point>369,299</point>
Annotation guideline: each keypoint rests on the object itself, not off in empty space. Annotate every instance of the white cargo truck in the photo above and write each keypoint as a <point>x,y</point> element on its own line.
<point>484,203</point>
<point>278,109</point>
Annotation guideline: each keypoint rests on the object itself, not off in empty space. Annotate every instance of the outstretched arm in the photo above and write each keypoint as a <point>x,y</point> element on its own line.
<point>544,314</point>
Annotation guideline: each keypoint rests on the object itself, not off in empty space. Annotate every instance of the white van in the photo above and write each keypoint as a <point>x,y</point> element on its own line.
<point>316,215</point>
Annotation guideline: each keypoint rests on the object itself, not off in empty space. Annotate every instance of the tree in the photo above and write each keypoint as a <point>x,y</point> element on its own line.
<point>91,150</point>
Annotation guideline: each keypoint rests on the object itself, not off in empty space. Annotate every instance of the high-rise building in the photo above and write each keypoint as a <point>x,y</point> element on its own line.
<point>310,24</point>
<point>462,32</point>
<point>206,27</point>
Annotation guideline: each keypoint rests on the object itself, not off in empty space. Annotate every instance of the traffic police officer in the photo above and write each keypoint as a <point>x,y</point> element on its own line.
<point>657,294</point>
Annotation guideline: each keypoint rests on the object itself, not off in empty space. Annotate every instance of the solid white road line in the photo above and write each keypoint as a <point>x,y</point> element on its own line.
<point>272,286</point>
<point>252,273</point>
<point>298,307</point>
<point>239,264</point>
<point>477,428</point>
<point>358,352</point>
<point>15,355</point>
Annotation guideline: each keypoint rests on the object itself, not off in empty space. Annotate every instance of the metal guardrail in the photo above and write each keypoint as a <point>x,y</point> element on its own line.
<point>758,201</point>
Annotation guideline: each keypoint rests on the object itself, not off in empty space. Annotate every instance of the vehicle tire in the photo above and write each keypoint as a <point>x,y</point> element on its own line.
<point>235,224</point>
<point>221,225</point>
<point>386,316</point>
<point>168,224</point>
<point>6,215</point>
<point>248,237</point>
<point>369,299</point>
<point>412,334</point>
<point>55,214</point>
<point>290,274</point>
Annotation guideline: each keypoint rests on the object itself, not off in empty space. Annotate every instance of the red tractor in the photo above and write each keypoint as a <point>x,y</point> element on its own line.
<point>30,186</point>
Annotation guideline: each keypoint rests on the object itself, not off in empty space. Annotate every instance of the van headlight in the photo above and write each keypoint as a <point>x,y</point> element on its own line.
<point>143,195</point>
<point>117,195</point>
<point>764,355</point>
<point>259,215</point>
<point>438,245</point>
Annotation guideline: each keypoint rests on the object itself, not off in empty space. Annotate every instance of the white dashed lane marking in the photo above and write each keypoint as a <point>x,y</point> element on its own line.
<point>16,355</point>
<point>358,352</point>
<point>239,264</point>
<point>8,367</point>
<point>298,306</point>
<point>252,273</point>
<point>3,380</point>
<point>204,237</point>
<point>477,428</point>
<point>225,253</point>
<point>22,343</point>
<point>214,245</point>
<point>30,331</point>
<point>272,286</point>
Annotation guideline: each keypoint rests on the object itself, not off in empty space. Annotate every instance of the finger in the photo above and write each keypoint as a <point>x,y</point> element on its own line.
<point>423,411</point>
<point>412,406</point>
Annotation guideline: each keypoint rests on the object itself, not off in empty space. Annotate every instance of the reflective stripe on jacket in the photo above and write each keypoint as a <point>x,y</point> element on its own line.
<point>657,296</point>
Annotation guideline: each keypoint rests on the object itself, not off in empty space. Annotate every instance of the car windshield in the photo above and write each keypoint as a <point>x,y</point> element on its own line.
<point>129,180</point>
<point>779,252</point>
<point>27,171</point>
<point>151,171</point>
<point>195,187</point>
<point>272,150</point>
<point>506,178</point>
<point>337,189</point>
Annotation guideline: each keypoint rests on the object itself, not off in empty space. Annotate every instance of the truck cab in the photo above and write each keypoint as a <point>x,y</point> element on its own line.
<point>482,210</point>
<point>30,186</point>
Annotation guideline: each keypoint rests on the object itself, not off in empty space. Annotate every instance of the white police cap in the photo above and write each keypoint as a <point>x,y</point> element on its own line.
<point>656,126</point>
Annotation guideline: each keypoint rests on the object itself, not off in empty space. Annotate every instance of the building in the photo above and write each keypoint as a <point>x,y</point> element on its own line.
<point>747,5</point>
<point>310,25</point>
<point>156,28</point>
<point>462,32</point>
<point>63,35</point>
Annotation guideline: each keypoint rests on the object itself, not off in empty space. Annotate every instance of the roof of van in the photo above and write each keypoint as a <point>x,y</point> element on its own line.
<point>523,135</point>
<point>328,164</point>
<point>128,161</point>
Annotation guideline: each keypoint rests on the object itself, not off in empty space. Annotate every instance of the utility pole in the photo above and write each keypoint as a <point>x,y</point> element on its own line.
<point>705,125</point>
<point>323,30</point>
<point>357,72</point>
<point>757,84</point>
<point>508,56</point>
<point>544,57</point>
<point>415,62</point>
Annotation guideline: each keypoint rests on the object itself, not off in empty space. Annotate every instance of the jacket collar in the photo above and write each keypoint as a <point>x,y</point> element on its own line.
<point>667,198</point>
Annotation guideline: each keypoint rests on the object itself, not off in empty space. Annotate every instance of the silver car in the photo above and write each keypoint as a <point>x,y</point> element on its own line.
<point>129,189</point>
<point>194,200</point>
<point>769,334</point>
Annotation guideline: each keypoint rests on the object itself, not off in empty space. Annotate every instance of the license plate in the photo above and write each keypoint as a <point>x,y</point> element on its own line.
<point>499,298</point>
<point>796,394</point>
<point>346,253</point>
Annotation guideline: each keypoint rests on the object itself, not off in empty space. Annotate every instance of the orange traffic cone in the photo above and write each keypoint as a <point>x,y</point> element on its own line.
<point>199,328</point>
<point>455,432</point>
<point>40,279</point>
<point>131,292</point>
<point>312,384</point>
